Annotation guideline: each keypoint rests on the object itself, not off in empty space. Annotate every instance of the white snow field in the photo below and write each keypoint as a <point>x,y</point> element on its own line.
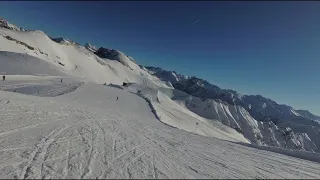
<point>176,115</point>
<point>39,86</point>
<point>58,120</point>
<point>73,59</point>
<point>87,133</point>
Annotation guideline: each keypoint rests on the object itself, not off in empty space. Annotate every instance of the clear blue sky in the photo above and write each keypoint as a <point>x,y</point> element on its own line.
<point>267,48</point>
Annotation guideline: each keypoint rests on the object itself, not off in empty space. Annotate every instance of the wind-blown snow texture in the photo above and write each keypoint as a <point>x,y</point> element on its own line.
<point>60,118</point>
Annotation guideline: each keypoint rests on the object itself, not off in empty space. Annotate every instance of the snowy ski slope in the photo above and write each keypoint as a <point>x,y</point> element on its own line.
<point>58,120</point>
<point>89,134</point>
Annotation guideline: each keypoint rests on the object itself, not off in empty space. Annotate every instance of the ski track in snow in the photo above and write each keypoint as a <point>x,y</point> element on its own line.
<point>68,138</point>
<point>44,86</point>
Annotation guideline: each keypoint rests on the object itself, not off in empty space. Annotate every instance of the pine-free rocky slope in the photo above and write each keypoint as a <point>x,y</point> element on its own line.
<point>261,120</point>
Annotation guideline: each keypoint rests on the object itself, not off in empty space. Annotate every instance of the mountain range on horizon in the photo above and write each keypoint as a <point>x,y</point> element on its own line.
<point>261,120</point>
<point>6,24</point>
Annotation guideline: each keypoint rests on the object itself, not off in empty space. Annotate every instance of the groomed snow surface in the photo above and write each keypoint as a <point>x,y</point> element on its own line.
<point>88,133</point>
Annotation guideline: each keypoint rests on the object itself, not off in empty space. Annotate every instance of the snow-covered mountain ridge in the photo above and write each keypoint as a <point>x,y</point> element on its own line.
<point>253,116</point>
<point>261,120</point>
<point>203,89</point>
<point>4,23</point>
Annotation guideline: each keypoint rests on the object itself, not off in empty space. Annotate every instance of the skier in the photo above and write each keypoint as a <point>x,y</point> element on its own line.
<point>117,98</point>
<point>3,77</point>
<point>61,80</point>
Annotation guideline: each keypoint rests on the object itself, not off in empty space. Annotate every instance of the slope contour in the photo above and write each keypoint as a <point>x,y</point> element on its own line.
<point>89,134</point>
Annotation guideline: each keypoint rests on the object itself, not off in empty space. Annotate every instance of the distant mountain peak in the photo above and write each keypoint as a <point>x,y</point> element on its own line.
<point>308,114</point>
<point>4,23</point>
<point>90,47</point>
<point>114,54</point>
<point>259,106</point>
<point>62,40</point>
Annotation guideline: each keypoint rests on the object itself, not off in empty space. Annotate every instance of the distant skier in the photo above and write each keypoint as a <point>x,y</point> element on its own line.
<point>3,78</point>
<point>61,80</point>
<point>117,98</point>
<point>196,126</point>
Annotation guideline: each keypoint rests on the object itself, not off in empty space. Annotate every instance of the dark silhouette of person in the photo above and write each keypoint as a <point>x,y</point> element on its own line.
<point>117,98</point>
<point>3,77</point>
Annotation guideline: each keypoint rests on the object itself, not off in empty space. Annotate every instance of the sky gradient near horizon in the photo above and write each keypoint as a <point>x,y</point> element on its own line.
<point>267,48</point>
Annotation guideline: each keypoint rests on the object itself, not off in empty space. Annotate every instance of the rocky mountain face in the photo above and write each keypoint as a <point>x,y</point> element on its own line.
<point>261,120</point>
<point>165,75</point>
<point>64,41</point>
<point>90,47</point>
<point>113,54</point>
<point>309,115</point>
<point>4,23</point>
